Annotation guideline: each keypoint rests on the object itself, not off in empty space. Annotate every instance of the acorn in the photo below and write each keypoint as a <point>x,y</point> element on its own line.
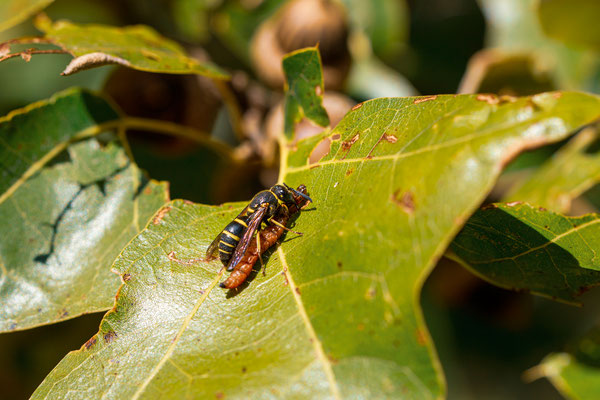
<point>299,24</point>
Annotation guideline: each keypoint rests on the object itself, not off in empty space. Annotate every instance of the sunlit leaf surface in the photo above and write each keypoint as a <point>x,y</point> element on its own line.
<point>139,47</point>
<point>13,12</point>
<point>514,25</point>
<point>66,215</point>
<point>521,247</point>
<point>563,177</point>
<point>571,21</point>
<point>337,314</point>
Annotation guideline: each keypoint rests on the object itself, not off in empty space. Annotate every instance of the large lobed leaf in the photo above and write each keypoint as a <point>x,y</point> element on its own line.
<point>337,314</point>
<point>520,247</point>
<point>65,219</point>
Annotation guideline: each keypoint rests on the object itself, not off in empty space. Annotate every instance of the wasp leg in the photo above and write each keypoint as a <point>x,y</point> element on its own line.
<point>284,227</point>
<point>262,265</point>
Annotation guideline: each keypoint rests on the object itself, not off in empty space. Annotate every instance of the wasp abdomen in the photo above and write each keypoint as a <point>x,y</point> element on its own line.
<point>230,237</point>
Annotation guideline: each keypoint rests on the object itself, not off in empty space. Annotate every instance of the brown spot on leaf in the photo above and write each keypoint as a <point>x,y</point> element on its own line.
<point>335,137</point>
<point>421,337</point>
<point>26,55</point>
<point>349,172</point>
<point>90,343</point>
<point>126,277</point>
<point>505,98</point>
<point>219,395</point>
<point>339,264</point>
<point>150,55</point>
<point>385,136</point>
<point>488,98</point>
<point>389,138</point>
<point>357,106</point>
<point>244,370</point>
<point>514,203</point>
<point>110,336</point>
<point>285,282</point>
<point>161,214</point>
<point>489,206</point>
<point>361,327</point>
<point>347,144</point>
<point>298,290</point>
<point>424,99</point>
<point>64,313</point>
<point>4,49</point>
<point>371,293</point>
<point>332,359</point>
<point>406,200</point>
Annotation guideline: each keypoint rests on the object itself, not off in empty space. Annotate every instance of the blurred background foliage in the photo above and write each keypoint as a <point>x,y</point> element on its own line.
<point>486,337</point>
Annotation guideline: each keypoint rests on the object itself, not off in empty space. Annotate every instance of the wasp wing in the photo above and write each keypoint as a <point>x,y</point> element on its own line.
<point>213,249</point>
<point>253,224</point>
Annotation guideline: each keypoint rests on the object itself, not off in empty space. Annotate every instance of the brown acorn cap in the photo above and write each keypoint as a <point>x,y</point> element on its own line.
<point>299,24</point>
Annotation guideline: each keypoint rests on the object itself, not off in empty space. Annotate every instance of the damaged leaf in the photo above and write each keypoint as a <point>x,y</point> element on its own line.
<point>328,319</point>
<point>304,89</point>
<point>138,47</point>
<point>68,206</point>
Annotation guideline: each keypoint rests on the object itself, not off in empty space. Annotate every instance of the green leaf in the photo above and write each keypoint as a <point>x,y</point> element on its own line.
<point>571,21</point>
<point>337,314</point>
<point>385,23</point>
<point>304,89</point>
<point>138,47</point>
<point>65,218</point>
<point>520,247</point>
<point>567,174</point>
<point>13,12</point>
<point>513,25</point>
<point>235,23</point>
<point>574,373</point>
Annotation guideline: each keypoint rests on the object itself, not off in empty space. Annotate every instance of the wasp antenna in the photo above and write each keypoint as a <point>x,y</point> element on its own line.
<point>297,192</point>
<point>303,195</point>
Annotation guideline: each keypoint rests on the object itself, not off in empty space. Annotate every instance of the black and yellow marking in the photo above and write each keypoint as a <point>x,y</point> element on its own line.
<point>241,222</point>
<point>225,251</point>
<point>231,235</point>
<point>227,244</point>
<point>279,202</point>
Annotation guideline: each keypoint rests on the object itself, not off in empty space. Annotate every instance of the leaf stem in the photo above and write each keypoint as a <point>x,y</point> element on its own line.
<point>187,132</point>
<point>27,53</point>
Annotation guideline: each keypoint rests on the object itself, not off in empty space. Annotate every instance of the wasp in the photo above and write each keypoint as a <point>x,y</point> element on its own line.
<point>233,241</point>
<point>266,238</point>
